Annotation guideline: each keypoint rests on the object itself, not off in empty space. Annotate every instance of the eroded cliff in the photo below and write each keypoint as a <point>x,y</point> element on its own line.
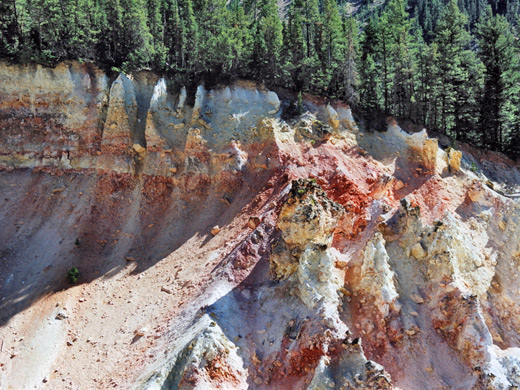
<point>221,246</point>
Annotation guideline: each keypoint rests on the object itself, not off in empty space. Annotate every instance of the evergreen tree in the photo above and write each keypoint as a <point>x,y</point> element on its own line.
<point>454,62</point>
<point>189,57</point>
<point>501,80</point>
<point>44,29</point>
<point>370,80</point>
<point>417,60</point>
<point>10,34</point>
<point>332,35</point>
<point>369,89</point>
<point>88,22</point>
<point>302,41</point>
<point>156,29</point>
<point>242,43</point>
<point>113,11</point>
<point>384,28</point>
<point>426,83</point>
<point>514,145</point>
<point>331,48</point>
<point>295,48</point>
<point>397,68</point>
<point>219,48</point>
<point>137,42</point>
<point>513,11</point>
<point>345,80</point>
<point>173,36</point>
<point>268,41</point>
<point>309,11</point>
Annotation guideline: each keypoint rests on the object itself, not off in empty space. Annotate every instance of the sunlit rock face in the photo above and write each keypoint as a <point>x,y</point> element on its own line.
<point>75,117</point>
<point>221,244</point>
<point>51,117</point>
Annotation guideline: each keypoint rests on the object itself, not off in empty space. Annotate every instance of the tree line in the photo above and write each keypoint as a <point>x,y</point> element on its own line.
<point>462,82</point>
<point>451,66</point>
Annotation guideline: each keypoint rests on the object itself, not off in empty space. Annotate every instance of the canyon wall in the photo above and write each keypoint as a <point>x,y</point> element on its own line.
<point>222,245</point>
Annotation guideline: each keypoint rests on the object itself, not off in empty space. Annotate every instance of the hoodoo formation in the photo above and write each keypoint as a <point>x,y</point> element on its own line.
<point>221,243</point>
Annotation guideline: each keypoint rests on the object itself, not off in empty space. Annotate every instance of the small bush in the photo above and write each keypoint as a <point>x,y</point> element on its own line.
<point>73,275</point>
<point>299,103</point>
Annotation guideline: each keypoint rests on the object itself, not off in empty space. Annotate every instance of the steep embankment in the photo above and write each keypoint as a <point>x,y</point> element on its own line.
<point>220,246</point>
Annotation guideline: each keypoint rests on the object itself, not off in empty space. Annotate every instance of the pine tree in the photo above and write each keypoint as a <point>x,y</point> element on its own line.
<point>330,45</point>
<point>370,79</point>
<point>425,82</point>
<point>219,48</point>
<point>87,26</point>
<point>369,90</point>
<point>346,79</point>
<point>501,80</point>
<point>295,49</point>
<point>454,62</point>
<point>156,29</point>
<point>135,38</point>
<point>514,145</point>
<point>268,41</point>
<point>113,35</point>
<point>302,40</point>
<point>384,27</point>
<point>10,34</point>
<point>173,36</point>
<point>309,11</point>
<point>49,27</point>
<point>396,62</point>
<point>189,58</point>
<point>403,79</point>
<point>513,11</point>
<point>242,43</point>
<point>429,16</point>
<point>332,35</point>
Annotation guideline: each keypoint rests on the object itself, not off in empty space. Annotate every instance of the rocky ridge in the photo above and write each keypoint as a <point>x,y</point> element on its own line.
<point>222,246</point>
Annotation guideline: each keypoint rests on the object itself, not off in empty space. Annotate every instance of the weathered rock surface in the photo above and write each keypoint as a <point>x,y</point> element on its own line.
<point>221,246</point>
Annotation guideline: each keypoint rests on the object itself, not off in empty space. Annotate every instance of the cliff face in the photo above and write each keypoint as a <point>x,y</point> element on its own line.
<point>220,246</point>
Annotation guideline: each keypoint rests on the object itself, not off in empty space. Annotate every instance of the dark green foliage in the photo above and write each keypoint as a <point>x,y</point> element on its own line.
<point>370,77</point>
<point>458,74</point>
<point>499,106</point>
<point>267,42</point>
<point>344,81</point>
<point>299,103</point>
<point>453,66</point>
<point>296,50</point>
<point>9,28</point>
<point>73,275</point>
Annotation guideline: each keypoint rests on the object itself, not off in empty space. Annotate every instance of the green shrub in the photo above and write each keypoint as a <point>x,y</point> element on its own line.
<point>73,275</point>
<point>299,103</point>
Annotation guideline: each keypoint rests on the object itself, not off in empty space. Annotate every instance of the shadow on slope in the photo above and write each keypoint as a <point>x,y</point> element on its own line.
<point>102,224</point>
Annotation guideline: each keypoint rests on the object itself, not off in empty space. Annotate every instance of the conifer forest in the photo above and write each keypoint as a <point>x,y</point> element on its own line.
<point>452,66</point>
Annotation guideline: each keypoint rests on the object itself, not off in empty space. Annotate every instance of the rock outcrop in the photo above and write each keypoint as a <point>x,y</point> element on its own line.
<point>133,125</point>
